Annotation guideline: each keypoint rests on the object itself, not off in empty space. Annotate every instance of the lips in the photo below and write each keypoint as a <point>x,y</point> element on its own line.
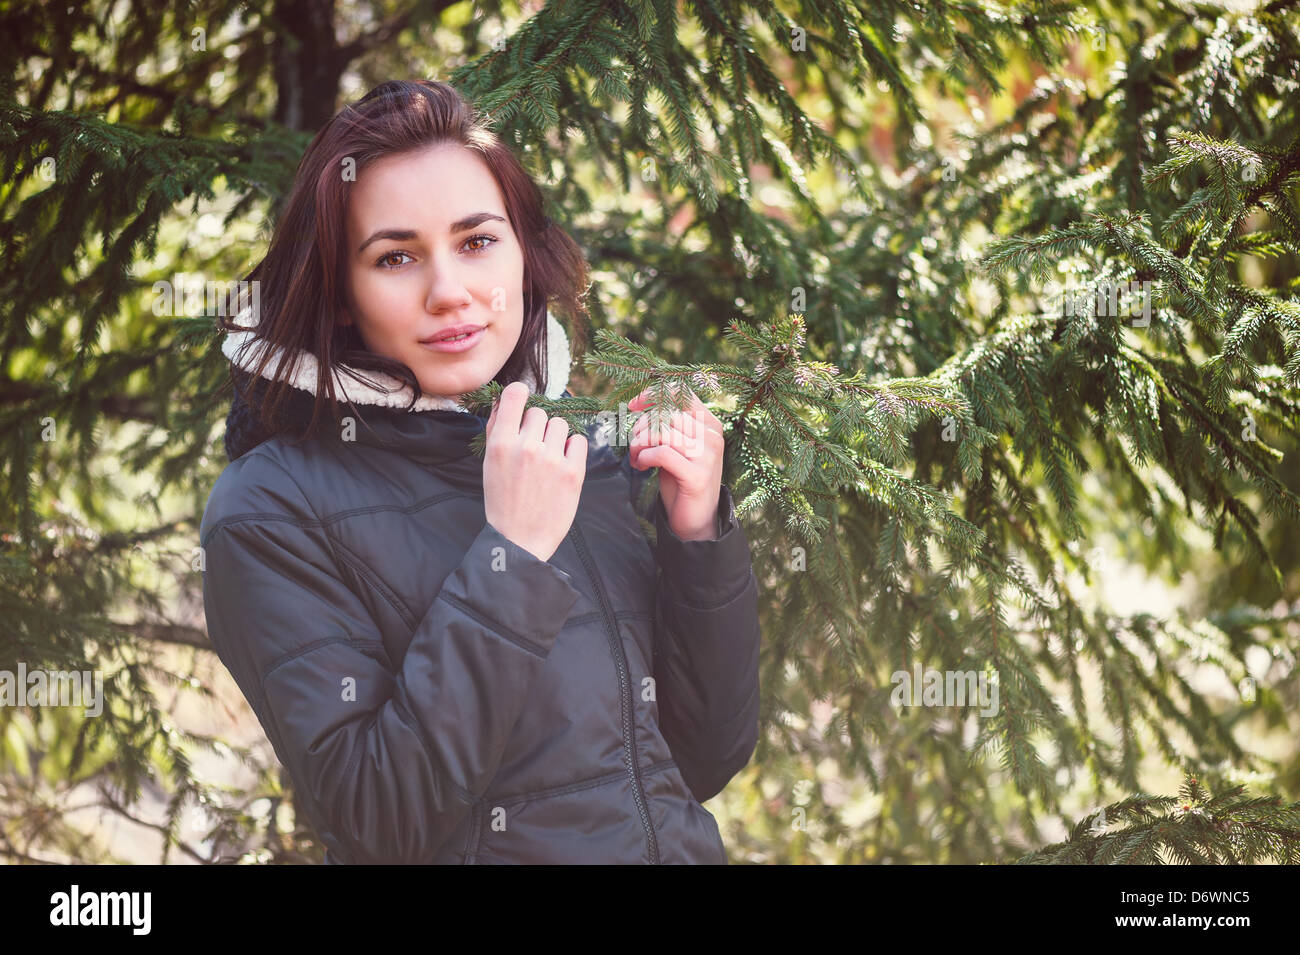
<point>454,345</point>
<point>451,332</point>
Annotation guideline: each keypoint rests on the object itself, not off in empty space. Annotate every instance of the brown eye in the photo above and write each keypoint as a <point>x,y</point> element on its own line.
<point>386,256</point>
<point>491,240</point>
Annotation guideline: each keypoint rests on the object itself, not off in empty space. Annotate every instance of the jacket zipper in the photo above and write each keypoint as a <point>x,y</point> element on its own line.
<point>625,700</point>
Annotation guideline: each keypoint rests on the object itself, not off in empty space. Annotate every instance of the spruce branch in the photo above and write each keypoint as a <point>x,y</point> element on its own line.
<point>1194,827</point>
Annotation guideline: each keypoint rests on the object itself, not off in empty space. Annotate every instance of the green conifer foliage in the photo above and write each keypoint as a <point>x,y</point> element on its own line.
<point>992,299</point>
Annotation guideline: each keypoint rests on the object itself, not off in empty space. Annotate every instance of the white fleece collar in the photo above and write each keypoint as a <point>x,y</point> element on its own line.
<point>244,349</point>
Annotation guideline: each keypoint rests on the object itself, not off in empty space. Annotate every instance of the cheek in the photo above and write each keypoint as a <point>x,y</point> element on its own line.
<point>360,287</point>
<point>367,286</point>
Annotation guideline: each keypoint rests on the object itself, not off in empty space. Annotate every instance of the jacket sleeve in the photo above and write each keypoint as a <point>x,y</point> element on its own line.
<point>706,644</point>
<point>388,760</point>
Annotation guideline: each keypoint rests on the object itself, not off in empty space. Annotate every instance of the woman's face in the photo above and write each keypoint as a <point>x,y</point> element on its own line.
<point>431,247</point>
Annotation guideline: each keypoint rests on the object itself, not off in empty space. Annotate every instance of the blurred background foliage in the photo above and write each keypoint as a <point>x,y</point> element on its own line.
<point>920,181</point>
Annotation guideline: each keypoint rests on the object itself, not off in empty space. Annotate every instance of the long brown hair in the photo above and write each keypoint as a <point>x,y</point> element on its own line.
<point>301,299</point>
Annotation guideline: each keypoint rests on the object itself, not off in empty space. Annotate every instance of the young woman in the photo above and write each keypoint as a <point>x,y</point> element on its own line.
<point>463,659</point>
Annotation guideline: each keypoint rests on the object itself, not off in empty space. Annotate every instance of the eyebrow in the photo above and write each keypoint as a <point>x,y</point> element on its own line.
<point>407,235</point>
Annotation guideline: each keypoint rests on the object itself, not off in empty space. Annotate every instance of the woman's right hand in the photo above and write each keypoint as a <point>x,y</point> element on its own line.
<point>533,471</point>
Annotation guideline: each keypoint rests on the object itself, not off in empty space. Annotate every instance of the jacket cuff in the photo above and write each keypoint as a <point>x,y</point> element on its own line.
<point>704,574</point>
<point>512,590</point>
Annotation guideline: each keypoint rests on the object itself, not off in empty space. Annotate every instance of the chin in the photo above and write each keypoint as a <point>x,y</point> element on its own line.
<point>454,385</point>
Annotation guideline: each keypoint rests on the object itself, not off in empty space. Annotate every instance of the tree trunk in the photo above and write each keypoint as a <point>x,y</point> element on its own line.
<point>307,63</point>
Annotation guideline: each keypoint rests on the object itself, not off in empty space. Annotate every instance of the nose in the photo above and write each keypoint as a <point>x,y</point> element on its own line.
<point>447,292</point>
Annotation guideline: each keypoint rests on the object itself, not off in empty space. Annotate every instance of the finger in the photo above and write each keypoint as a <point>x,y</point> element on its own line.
<point>640,401</point>
<point>557,433</point>
<point>655,415</point>
<point>575,449</point>
<point>648,428</point>
<point>644,399</point>
<point>684,423</point>
<point>701,413</point>
<point>511,406</point>
<point>533,428</point>
<point>688,445</point>
<point>697,409</point>
<point>700,420</point>
<point>638,442</point>
<point>667,459</point>
<point>641,428</point>
<point>707,418</point>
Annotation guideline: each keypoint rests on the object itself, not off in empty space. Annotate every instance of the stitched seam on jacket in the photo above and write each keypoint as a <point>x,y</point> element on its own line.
<point>317,522</point>
<point>333,518</point>
<point>356,644</point>
<point>378,653</point>
<point>522,642</point>
<point>592,782</point>
<point>596,616</point>
<point>357,564</point>
<point>373,644</point>
<point>302,651</point>
<point>314,522</point>
<point>400,708</point>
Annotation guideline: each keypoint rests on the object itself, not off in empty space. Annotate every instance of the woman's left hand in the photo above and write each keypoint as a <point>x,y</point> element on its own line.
<point>688,450</point>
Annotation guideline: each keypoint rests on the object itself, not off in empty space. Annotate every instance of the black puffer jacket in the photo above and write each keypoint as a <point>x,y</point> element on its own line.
<point>440,695</point>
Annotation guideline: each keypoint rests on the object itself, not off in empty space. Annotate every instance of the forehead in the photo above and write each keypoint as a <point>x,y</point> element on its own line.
<point>429,188</point>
